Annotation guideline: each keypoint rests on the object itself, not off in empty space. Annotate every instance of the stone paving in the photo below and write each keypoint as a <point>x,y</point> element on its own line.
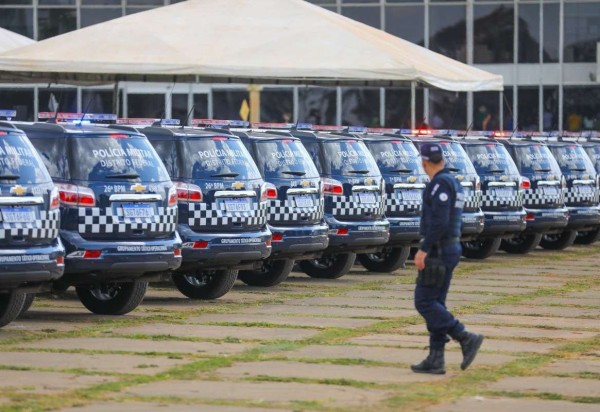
<point>320,345</point>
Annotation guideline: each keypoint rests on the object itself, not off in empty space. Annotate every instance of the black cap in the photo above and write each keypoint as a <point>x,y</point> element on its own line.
<point>431,152</point>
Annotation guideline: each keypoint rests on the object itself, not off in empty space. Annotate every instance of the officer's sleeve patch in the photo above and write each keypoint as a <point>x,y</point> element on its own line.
<point>443,197</point>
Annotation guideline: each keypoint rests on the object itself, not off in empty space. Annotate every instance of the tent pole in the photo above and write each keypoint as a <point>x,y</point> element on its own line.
<point>254,92</point>
<point>413,105</point>
<point>115,102</point>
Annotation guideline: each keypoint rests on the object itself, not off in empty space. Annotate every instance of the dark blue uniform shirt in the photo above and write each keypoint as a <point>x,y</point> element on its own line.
<point>441,215</point>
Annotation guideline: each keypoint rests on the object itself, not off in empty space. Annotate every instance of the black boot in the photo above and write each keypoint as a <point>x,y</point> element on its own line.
<point>434,363</point>
<point>470,344</point>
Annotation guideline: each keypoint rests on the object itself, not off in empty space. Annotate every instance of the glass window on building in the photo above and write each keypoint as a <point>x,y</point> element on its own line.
<point>277,105</point>
<point>20,100</point>
<point>370,15</point>
<point>146,105</point>
<point>15,2</point>
<point>360,107</point>
<point>101,2</point>
<point>90,16</point>
<point>550,107</point>
<point>529,33</point>
<point>52,22</point>
<point>317,105</point>
<point>200,106</point>
<point>17,20</point>
<point>493,33</point>
<point>406,22</point>
<point>227,103</point>
<point>63,100</point>
<point>397,107</point>
<point>179,107</point>
<point>447,110</point>
<point>551,32</point>
<point>448,31</point>
<point>486,111</point>
<point>582,31</point>
<point>97,101</point>
<point>528,103</point>
<point>509,118</point>
<point>581,108</point>
<point>56,2</point>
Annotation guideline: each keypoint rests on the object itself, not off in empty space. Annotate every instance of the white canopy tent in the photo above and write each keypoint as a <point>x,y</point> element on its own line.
<point>239,41</point>
<point>10,40</point>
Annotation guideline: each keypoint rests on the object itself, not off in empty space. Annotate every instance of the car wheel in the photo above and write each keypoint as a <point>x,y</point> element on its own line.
<point>11,304</point>
<point>112,298</point>
<point>328,266</point>
<point>205,285</point>
<point>272,273</point>
<point>386,261</point>
<point>587,238</point>
<point>29,298</point>
<point>521,244</point>
<point>558,241</point>
<point>481,248</point>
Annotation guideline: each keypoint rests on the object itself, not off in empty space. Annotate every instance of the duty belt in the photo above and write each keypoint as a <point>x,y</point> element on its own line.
<point>449,241</point>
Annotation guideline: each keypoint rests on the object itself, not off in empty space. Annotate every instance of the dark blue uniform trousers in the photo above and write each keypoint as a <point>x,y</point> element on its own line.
<point>430,302</point>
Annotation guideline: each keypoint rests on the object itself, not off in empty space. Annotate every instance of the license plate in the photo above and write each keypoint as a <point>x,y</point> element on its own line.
<point>411,195</point>
<point>504,193</point>
<point>304,201</point>
<point>550,190</point>
<point>137,210</point>
<point>586,190</point>
<point>18,214</point>
<point>236,205</point>
<point>367,198</point>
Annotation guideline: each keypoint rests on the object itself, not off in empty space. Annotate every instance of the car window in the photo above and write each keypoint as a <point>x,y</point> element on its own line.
<point>284,158</point>
<point>535,158</point>
<point>96,158</point>
<point>456,158</point>
<point>167,151</point>
<point>594,155</point>
<point>349,158</point>
<point>313,149</point>
<point>491,158</point>
<point>572,158</point>
<point>393,156</point>
<point>53,153</point>
<point>20,161</point>
<point>214,157</point>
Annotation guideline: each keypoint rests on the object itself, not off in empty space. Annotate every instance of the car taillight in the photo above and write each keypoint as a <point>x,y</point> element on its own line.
<point>525,183</point>
<point>343,231</point>
<point>172,196</point>
<point>277,237</point>
<point>60,260</point>
<point>332,187</point>
<point>177,252</point>
<point>92,254</point>
<point>54,199</point>
<point>268,191</point>
<point>530,217</point>
<point>188,193</point>
<point>72,195</point>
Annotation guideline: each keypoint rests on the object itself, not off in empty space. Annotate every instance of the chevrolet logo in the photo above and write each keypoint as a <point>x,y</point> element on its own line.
<point>504,178</point>
<point>237,185</point>
<point>305,183</point>
<point>18,190</point>
<point>369,181</point>
<point>460,178</point>
<point>138,188</point>
<point>412,179</point>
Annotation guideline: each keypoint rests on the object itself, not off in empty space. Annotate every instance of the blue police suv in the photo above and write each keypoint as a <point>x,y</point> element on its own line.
<point>31,254</point>
<point>118,210</point>
<point>591,144</point>
<point>354,199</point>
<point>222,207</point>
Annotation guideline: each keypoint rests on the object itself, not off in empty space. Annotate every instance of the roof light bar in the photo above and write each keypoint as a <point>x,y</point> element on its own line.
<point>8,113</point>
<point>328,128</point>
<point>268,125</point>
<point>220,123</point>
<point>356,129</point>
<point>142,121</point>
<point>77,116</point>
<point>382,130</point>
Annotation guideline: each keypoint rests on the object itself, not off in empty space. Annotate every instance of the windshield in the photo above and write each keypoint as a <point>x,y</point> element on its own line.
<point>20,162</point>
<point>98,158</point>
<point>572,158</point>
<point>396,156</point>
<point>456,158</point>
<point>594,154</point>
<point>284,158</point>
<point>217,157</point>
<point>535,158</point>
<point>491,158</point>
<point>349,157</point>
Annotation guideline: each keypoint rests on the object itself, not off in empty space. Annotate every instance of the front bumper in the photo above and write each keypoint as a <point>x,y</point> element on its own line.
<point>359,237</point>
<point>223,250</point>
<point>299,241</point>
<point>546,220</point>
<point>29,266</point>
<point>503,223</point>
<point>472,224</point>
<point>583,217</point>
<point>404,230</point>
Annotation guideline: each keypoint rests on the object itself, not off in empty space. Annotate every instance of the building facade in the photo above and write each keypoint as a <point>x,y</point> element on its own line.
<point>547,50</point>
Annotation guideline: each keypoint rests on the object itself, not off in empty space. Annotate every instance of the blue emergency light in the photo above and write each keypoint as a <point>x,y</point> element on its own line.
<point>356,129</point>
<point>8,114</point>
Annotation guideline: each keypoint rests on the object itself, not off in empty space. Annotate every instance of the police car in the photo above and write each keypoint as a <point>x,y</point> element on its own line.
<point>223,204</point>
<point>118,209</point>
<point>591,144</point>
<point>542,186</point>
<point>32,255</point>
<point>462,168</point>
<point>354,197</point>
<point>502,194</point>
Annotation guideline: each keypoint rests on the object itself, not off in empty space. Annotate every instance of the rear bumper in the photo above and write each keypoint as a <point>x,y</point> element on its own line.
<point>503,223</point>
<point>223,250</point>
<point>472,224</point>
<point>546,220</point>
<point>24,267</point>
<point>119,260</point>
<point>583,217</point>
<point>299,241</point>
<point>361,236</point>
<point>404,230</point>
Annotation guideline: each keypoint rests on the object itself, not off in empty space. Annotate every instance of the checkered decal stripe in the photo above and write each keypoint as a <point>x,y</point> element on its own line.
<point>351,206</point>
<point>473,199</point>
<point>536,197</point>
<point>45,227</point>
<point>205,214</point>
<point>286,211</point>
<point>102,220</point>
<point>573,196</point>
<point>488,200</point>
<point>396,204</point>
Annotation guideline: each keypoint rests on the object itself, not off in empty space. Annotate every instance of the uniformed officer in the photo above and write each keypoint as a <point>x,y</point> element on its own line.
<point>441,221</point>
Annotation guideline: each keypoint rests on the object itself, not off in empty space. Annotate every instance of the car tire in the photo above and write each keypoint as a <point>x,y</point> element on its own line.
<point>11,304</point>
<point>29,298</point>
<point>386,261</point>
<point>521,244</point>
<point>559,241</point>
<point>587,238</point>
<point>205,285</point>
<point>328,266</point>
<point>481,248</point>
<point>272,273</point>
<point>112,298</point>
